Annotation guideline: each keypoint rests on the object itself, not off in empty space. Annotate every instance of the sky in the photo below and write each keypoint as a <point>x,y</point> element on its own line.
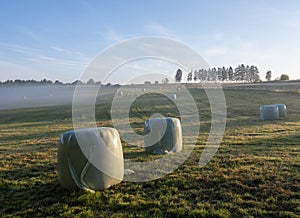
<point>57,39</point>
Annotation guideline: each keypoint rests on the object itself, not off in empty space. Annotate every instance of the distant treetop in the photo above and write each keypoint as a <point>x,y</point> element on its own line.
<point>32,82</point>
<point>241,73</point>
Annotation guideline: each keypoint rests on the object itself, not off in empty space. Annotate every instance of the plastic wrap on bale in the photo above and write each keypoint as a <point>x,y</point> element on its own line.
<point>163,134</point>
<point>282,110</point>
<point>75,169</point>
<point>269,112</point>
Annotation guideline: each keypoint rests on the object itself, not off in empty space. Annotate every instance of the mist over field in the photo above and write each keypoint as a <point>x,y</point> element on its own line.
<point>52,95</point>
<point>40,96</point>
<point>24,97</point>
<point>49,95</point>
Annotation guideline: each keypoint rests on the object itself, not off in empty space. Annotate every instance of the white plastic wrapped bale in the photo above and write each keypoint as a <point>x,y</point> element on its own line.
<point>269,112</point>
<point>173,97</point>
<point>163,134</point>
<point>282,110</point>
<point>76,171</point>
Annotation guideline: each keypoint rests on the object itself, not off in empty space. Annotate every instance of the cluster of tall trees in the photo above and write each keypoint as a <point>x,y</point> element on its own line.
<point>241,73</point>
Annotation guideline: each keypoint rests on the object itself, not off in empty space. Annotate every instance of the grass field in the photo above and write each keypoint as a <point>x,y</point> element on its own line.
<point>255,172</point>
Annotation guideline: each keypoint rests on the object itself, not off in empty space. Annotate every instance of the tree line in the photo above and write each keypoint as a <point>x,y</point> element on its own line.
<point>241,73</point>
<point>32,82</point>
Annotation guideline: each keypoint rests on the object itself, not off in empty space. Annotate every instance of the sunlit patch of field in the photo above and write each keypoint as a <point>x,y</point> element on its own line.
<point>255,172</point>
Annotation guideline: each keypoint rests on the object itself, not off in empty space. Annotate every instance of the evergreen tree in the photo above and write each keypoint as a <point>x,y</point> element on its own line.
<point>178,76</point>
<point>268,75</point>
<point>190,76</point>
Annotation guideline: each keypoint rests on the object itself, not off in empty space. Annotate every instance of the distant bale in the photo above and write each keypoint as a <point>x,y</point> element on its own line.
<point>173,97</point>
<point>282,110</point>
<point>163,134</point>
<point>120,93</point>
<point>269,112</point>
<point>76,171</point>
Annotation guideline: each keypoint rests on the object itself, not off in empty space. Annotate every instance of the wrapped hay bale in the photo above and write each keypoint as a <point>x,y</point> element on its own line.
<point>173,97</point>
<point>76,171</point>
<point>163,134</point>
<point>282,110</point>
<point>269,112</point>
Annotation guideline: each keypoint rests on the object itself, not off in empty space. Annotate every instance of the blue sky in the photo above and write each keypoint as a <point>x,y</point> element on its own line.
<point>57,39</point>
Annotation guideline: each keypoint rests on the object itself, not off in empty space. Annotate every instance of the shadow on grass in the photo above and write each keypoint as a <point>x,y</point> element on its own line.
<point>33,136</point>
<point>28,190</point>
<point>135,154</point>
<point>28,115</point>
<point>289,139</point>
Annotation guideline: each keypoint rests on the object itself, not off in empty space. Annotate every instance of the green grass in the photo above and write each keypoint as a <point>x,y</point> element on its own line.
<point>255,172</point>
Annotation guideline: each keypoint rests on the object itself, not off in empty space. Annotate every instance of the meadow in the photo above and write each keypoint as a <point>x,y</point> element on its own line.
<point>255,172</point>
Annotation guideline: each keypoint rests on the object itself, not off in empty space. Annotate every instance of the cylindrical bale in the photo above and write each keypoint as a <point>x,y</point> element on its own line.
<point>269,112</point>
<point>163,134</point>
<point>76,170</point>
<point>173,97</point>
<point>282,110</point>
